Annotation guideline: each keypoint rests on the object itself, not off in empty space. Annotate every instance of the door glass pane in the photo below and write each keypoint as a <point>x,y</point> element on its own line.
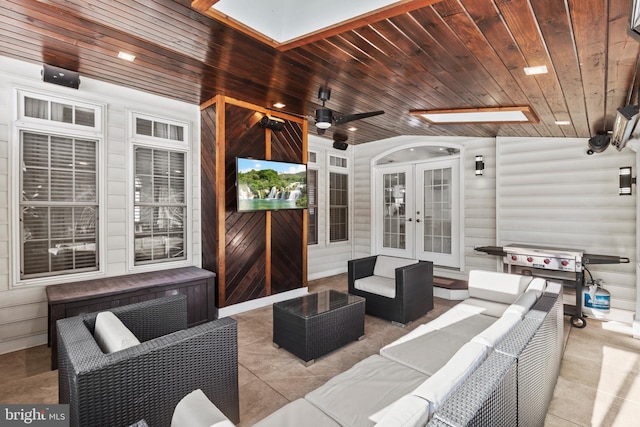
<point>437,211</point>
<point>394,199</point>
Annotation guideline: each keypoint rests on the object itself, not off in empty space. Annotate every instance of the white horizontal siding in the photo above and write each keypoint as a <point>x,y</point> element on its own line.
<point>550,192</point>
<point>23,310</point>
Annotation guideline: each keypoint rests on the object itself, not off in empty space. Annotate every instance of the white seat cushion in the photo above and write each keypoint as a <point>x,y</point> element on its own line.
<point>353,396</point>
<point>111,334</point>
<point>295,414</point>
<point>495,286</point>
<point>482,306</point>
<point>408,411</point>
<point>196,410</point>
<point>430,351</point>
<point>386,265</point>
<point>378,285</point>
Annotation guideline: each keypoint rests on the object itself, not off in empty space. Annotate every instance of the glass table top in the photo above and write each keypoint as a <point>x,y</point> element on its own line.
<point>316,303</point>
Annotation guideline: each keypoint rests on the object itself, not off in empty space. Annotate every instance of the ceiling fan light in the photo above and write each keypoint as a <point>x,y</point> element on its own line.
<point>323,118</point>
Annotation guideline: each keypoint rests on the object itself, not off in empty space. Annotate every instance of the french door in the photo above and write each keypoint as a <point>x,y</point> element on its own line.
<point>418,211</point>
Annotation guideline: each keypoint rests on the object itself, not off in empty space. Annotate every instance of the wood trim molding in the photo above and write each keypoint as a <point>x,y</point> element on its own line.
<point>203,5</point>
<point>220,190</point>
<point>526,111</point>
<point>403,6</point>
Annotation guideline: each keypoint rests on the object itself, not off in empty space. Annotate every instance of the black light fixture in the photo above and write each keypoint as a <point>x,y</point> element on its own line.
<point>599,142</point>
<point>626,180</point>
<point>626,119</point>
<point>479,165</point>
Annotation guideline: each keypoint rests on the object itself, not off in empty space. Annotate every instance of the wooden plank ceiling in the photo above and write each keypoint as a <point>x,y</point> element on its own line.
<point>452,54</point>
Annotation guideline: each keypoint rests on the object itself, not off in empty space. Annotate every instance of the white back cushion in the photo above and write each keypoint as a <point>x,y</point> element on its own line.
<point>438,387</point>
<point>196,410</point>
<point>524,303</point>
<point>499,287</point>
<point>111,334</point>
<point>386,265</point>
<point>538,284</point>
<point>497,331</point>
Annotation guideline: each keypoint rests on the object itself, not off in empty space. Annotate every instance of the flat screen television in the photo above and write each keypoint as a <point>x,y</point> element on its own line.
<point>266,185</point>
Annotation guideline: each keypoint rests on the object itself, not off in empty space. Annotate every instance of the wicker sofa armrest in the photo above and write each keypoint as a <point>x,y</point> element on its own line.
<point>359,268</point>
<point>414,278</point>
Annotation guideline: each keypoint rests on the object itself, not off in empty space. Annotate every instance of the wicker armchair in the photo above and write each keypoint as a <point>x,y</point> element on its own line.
<point>148,380</point>
<point>413,296</point>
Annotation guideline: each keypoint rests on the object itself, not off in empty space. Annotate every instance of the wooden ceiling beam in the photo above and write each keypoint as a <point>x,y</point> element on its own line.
<point>203,5</point>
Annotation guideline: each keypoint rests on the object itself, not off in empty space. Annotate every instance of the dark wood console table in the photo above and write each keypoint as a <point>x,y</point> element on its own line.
<point>71,299</point>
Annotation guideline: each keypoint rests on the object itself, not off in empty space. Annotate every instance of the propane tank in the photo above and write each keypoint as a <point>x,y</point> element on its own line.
<point>597,298</point>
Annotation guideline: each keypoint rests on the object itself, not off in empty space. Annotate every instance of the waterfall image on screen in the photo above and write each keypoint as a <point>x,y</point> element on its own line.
<point>264,185</point>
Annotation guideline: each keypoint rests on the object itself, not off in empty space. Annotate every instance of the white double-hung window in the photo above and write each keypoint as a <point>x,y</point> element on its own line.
<point>160,201</point>
<point>58,195</point>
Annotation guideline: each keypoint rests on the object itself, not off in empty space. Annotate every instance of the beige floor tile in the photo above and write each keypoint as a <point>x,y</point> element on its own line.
<point>599,383</point>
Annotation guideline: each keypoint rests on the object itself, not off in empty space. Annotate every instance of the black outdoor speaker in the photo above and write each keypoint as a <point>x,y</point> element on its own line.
<point>60,76</point>
<point>339,145</point>
<point>273,123</point>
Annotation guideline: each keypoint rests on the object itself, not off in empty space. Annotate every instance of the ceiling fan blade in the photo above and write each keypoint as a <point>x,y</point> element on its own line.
<point>351,117</point>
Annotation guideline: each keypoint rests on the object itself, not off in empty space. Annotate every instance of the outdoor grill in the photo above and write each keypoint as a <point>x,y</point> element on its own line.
<point>554,263</point>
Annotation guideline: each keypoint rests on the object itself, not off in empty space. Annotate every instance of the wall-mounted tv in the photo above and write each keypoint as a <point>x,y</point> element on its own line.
<point>265,185</point>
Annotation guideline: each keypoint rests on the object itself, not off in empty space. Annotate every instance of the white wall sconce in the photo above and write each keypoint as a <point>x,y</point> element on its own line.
<point>479,165</point>
<point>626,180</point>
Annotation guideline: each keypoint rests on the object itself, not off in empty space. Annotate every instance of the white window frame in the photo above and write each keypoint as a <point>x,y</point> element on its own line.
<point>346,170</point>
<point>146,141</point>
<point>22,123</point>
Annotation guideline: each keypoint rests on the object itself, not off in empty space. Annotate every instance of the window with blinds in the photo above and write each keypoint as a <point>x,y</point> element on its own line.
<point>58,204</point>
<point>57,209</point>
<point>312,207</point>
<point>159,129</point>
<point>159,205</point>
<point>338,207</point>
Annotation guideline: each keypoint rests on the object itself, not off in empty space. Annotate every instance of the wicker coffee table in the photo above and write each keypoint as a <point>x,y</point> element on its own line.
<point>316,324</point>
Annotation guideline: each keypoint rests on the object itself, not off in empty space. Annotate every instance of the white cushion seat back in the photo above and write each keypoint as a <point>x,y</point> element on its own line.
<point>498,287</point>
<point>538,284</point>
<point>386,265</point>
<point>196,410</point>
<point>409,411</point>
<point>111,334</point>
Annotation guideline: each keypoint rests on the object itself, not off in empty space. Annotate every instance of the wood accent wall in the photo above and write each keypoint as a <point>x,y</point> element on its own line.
<point>254,254</point>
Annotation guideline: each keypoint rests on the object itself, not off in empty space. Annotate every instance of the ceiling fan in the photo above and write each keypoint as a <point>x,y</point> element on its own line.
<point>325,118</point>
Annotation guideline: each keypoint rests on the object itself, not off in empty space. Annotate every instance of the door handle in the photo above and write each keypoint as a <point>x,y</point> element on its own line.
<point>417,219</point>
<point>409,219</point>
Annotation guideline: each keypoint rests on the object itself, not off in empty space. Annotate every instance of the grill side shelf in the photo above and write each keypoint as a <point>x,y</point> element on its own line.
<point>491,250</point>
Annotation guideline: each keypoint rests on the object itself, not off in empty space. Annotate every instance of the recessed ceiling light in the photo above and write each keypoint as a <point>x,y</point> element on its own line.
<point>126,56</point>
<point>279,105</point>
<point>540,69</point>
<point>353,128</point>
<point>563,122</point>
<point>478,115</point>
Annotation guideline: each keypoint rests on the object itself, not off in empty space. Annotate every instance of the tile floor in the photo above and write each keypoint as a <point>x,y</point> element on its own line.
<point>599,383</point>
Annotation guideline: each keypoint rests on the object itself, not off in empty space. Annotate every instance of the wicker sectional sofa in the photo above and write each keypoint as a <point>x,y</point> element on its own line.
<point>493,359</point>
